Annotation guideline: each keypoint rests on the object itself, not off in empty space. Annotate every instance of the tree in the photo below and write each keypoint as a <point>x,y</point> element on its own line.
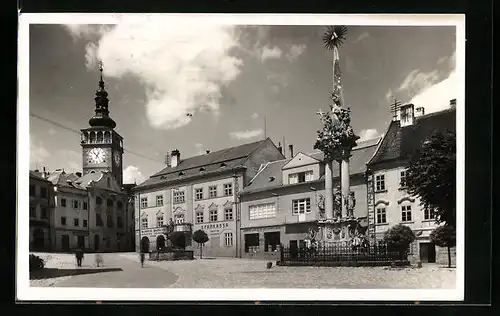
<point>398,238</point>
<point>201,238</point>
<point>431,175</point>
<point>444,236</point>
<point>178,239</point>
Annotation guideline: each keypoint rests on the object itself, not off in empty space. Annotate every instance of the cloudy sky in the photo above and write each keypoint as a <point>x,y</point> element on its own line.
<point>229,78</point>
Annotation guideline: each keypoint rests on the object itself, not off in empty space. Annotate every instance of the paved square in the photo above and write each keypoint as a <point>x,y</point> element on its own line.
<point>242,273</point>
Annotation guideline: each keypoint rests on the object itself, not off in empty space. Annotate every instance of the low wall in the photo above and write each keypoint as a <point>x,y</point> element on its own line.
<point>171,255</point>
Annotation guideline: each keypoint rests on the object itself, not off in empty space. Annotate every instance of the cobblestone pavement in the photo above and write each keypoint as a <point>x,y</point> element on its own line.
<point>131,276</point>
<point>252,273</point>
<point>248,273</point>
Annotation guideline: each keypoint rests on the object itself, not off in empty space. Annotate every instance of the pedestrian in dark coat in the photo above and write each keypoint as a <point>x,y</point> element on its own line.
<point>79,257</point>
<point>142,259</point>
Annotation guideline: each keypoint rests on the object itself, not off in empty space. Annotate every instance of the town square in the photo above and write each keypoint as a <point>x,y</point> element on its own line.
<point>243,156</point>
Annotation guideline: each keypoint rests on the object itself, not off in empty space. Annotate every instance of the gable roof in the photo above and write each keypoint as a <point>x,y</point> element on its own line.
<point>37,175</point>
<point>223,155</point>
<point>88,178</point>
<point>65,180</point>
<point>231,158</point>
<point>294,162</point>
<point>271,175</point>
<point>400,143</point>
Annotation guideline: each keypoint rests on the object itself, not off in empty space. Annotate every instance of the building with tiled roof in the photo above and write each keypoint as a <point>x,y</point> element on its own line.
<point>390,204</point>
<point>40,211</point>
<point>90,212</point>
<point>91,209</point>
<point>201,192</point>
<point>285,199</point>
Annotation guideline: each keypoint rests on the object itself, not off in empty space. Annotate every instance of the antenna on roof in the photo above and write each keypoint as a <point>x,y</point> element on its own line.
<point>265,127</point>
<point>394,107</point>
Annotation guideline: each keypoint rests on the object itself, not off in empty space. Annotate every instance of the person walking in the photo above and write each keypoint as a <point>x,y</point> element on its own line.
<point>79,257</point>
<point>142,259</point>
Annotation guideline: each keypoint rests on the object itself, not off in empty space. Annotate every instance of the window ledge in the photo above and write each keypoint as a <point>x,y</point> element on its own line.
<point>408,222</point>
<point>382,224</point>
<point>402,188</point>
<point>381,191</point>
<point>428,220</point>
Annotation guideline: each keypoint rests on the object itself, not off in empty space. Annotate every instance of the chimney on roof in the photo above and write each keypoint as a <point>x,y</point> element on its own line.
<point>78,174</point>
<point>175,158</point>
<point>167,160</point>
<point>280,148</point>
<point>453,103</point>
<point>290,147</point>
<point>406,114</point>
<point>420,111</point>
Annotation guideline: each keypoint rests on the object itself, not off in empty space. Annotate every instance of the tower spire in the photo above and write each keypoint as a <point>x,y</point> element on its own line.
<point>101,81</point>
<point>101,117</point>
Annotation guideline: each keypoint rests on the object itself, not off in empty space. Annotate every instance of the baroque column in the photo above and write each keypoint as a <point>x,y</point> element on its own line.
<point>336,138</point>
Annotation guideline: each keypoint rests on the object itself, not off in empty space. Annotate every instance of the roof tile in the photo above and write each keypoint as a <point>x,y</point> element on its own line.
<point>401,142</point>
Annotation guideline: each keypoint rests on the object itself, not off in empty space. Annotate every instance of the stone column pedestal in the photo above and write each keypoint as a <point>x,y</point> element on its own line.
<point>329,190</point>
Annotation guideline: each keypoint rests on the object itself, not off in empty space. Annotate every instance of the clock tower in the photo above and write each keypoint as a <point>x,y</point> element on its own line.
<point>102,146</point>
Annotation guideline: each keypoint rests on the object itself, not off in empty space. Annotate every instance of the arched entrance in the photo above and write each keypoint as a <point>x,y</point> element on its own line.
<point>145,244</point>
<point>97,241</point>
<point>160,242</point>
<point>38,238</point>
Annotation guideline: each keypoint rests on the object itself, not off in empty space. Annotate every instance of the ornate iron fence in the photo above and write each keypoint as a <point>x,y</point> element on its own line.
<point>341,255</point>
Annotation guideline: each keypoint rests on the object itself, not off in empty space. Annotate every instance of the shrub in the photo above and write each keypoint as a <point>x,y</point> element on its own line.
<point>36,263</point>
<point>399,238</point>
<point>444,236</point>
<point>201,238</point>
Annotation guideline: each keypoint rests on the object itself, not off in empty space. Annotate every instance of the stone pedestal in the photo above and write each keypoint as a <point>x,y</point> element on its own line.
<point>329,189</point>
<point>337,231</point>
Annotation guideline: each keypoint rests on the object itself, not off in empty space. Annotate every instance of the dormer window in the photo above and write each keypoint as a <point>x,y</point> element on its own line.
<point>271,179</point>
<point>300,177</point>
<point>203,169</point>
<point>222,165</point>
<point>181,173</point>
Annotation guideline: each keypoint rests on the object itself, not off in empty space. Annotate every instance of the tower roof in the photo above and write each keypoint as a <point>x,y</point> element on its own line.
<point>101,117</point>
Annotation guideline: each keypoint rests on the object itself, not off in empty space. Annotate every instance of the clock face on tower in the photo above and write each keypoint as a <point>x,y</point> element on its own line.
<point>96,155</point>
<point>117,159</point>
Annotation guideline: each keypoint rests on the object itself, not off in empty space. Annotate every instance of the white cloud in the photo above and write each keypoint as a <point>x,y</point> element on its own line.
<point>182,67</point>
<point>442,60</point>
<point>361,37</point>
<point>255,115</point>
<point>417,81</point>
<point>389,95</point>
<point>72,160</point>
<point>85,31</point>
<point>369,133</point>
<point>270,53</point>
<point>38,153</point>
<point>437,97</point>
<point>295,51</point>
<point>246,134</point>
<point>131,174</point>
